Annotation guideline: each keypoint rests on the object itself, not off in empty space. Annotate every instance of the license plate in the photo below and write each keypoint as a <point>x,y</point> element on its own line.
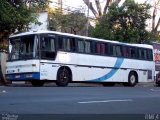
<point>17,76</point>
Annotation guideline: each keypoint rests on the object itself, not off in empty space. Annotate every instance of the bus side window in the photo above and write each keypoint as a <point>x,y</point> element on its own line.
<point>67,44</point>
<point>150,55</point>
<point>139,54</point>
<point>84,46</point>
<point>80,46</point>
<point>132,52</point>
<point>106,49</point>
<point>101,48</point>
<point>142,53</point>
<point>73,44</point>
<point>111,50</point>
<point>60,43</point>
<point>87,47</point>
<point>48,47</point>
<point>125,51</point>
<point>63,43</point>
<point>145,54</point>
<point>98,48</point>
<point>116,50</point>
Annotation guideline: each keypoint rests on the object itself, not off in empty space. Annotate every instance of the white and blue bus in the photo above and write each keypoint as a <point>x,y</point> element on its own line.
<point>44,56</point>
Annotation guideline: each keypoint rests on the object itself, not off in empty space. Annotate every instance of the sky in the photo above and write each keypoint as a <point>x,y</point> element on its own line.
<point>73,3</point>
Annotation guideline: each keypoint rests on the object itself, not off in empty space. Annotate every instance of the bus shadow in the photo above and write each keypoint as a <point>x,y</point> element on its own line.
<point>52,84</point>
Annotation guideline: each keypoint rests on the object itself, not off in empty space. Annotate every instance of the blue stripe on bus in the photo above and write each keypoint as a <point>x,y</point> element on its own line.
<point>117,65</point>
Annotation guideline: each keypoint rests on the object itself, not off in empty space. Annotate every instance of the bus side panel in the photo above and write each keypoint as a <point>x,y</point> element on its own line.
<point>108,70</point>
<point>101,69</point>
<point>81,66</point>
<point>141,67</point>
<point>108,75</point>
<point>48,70</point>
<point>81,73</point>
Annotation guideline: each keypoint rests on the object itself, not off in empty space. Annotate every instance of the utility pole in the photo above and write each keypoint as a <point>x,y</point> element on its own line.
<point>87,26</point>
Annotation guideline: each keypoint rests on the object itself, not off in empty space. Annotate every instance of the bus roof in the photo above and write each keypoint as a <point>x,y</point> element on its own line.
<point>78,36</point>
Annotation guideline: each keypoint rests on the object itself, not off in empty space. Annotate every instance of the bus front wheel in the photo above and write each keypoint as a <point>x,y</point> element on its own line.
<point>132,79</point>
<point>63,77</point>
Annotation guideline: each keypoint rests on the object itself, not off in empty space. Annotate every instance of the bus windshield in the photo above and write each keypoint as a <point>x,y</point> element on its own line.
<point>25,47</point>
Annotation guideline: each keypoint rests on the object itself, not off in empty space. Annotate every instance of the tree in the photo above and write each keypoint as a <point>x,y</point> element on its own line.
<point>98,13</point>
<point>15,15</point>
<point>154,14</point>
<point>124,23</point>
<point>72,22</point>
<point>155,19</point>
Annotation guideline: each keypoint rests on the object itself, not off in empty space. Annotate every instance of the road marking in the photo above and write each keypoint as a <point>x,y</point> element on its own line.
<point>155,90</point>
<point>106,101</point>
<point>3,91</point>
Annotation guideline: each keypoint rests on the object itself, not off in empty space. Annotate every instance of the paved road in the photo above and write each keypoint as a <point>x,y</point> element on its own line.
<point>80,100</point>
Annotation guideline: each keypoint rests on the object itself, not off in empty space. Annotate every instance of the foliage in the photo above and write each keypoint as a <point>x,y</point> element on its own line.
<point>154,36</point>
<point>15,15</point>
<point>124,23</point>
<point>71,22</point>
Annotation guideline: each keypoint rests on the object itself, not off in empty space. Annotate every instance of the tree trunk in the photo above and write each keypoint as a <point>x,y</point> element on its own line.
<point>3,59</point>
<point>106,6</point>
<point>90,6</point>
<point>158,23</point>
<point>98,12</point>
<point>154,24</point>
<point>153,19</point>
<point>99,9</point>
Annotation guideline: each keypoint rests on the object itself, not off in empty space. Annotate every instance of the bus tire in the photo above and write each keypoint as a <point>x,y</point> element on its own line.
<point>63,77</point>
<point>132,79</point>
<point>37,83</point>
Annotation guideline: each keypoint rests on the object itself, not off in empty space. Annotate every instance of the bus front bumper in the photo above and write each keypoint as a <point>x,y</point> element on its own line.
<point>23,76</point>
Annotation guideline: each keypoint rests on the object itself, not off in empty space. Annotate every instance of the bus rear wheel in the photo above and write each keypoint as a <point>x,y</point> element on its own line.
<point>132,79</point>
<point>63,77</point>
<point>37,83</point>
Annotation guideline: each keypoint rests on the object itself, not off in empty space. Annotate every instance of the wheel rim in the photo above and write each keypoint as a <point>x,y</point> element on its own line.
<point>132,79</point>
<point>64,77</point>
